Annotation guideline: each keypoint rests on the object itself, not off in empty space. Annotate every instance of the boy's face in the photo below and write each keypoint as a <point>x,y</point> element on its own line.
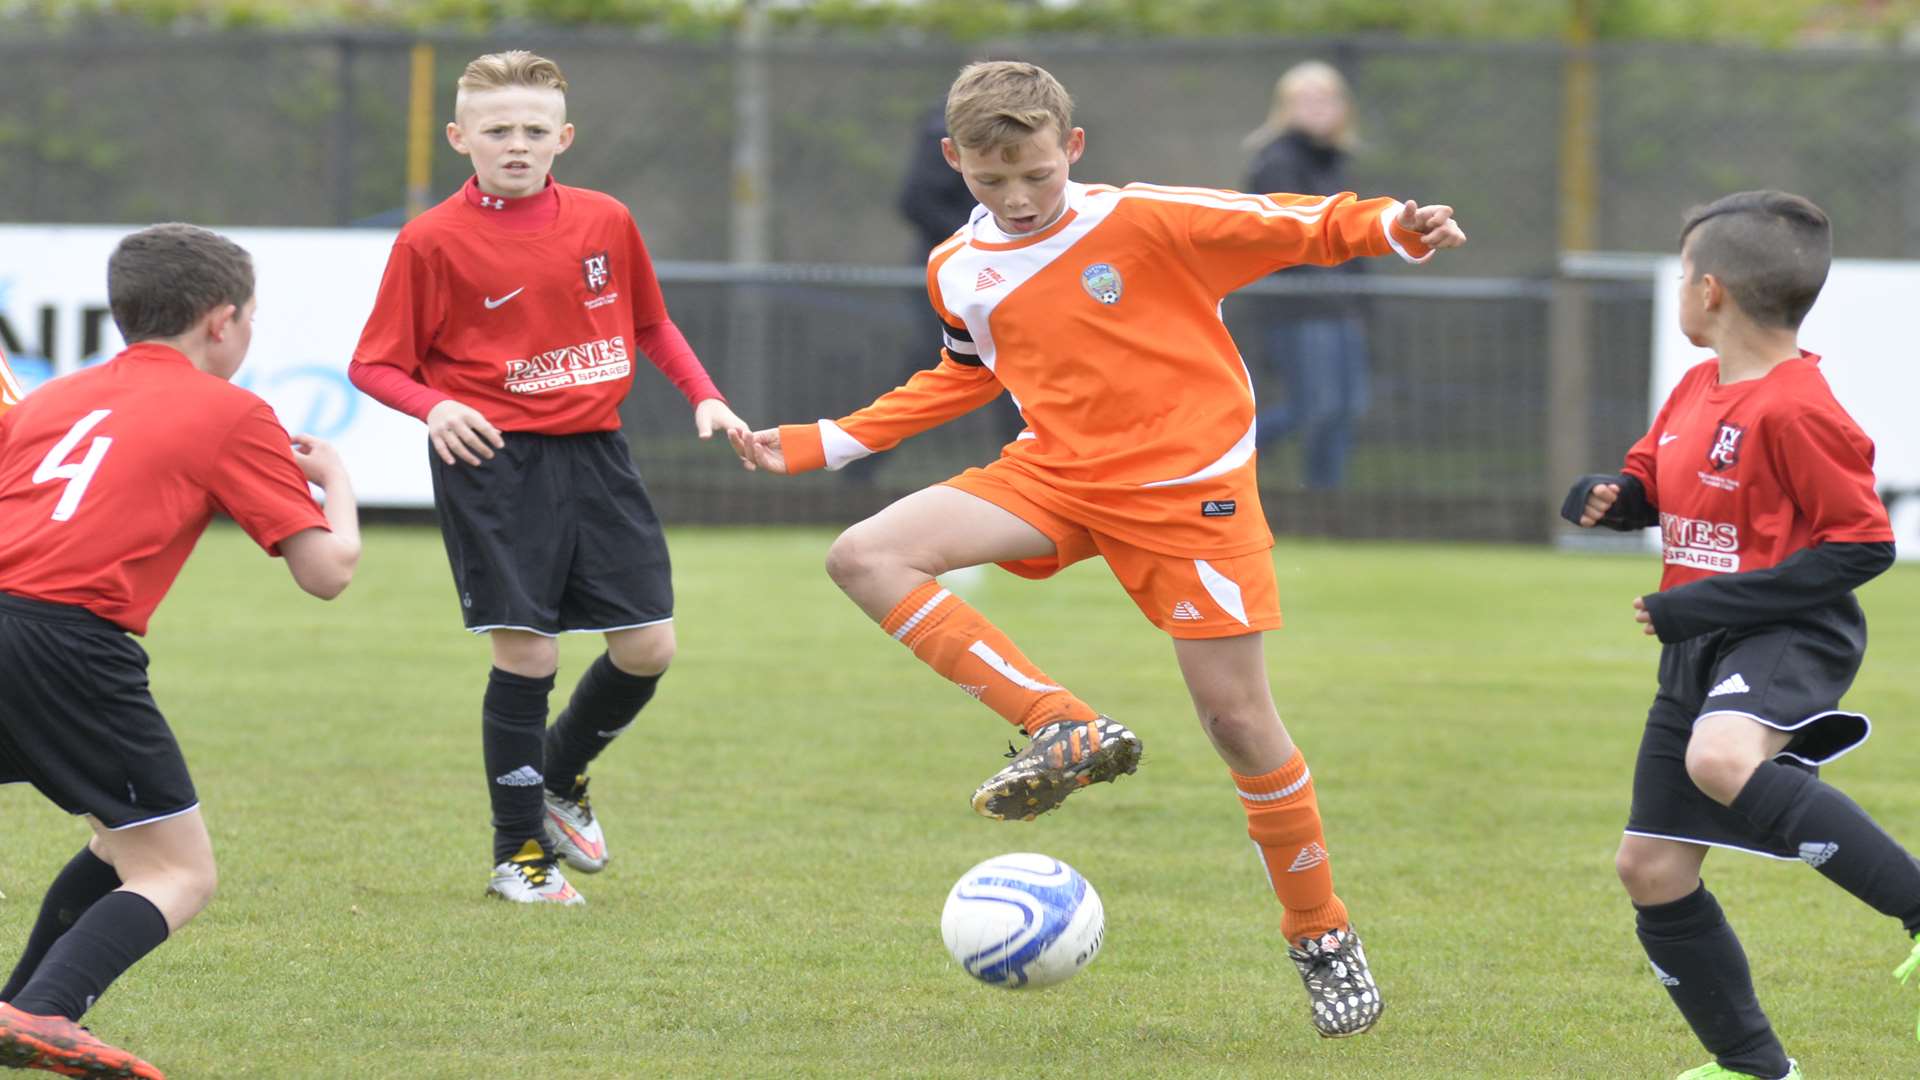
<point>1024,184</point>
<point>512,134</point>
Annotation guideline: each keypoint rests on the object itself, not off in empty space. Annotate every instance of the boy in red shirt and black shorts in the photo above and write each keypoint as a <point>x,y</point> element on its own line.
<point>519,306</point>
<point>107,478</point>
<point>1763,489</point>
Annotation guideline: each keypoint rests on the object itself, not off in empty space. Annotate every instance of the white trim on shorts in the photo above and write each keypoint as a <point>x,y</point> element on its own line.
<point>1764,722</point>
<point>1713,843</point>
<point>142,821</point>
<point>577,630</point>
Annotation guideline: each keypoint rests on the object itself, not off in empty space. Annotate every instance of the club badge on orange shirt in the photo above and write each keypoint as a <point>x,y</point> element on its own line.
<point>1102,282</point>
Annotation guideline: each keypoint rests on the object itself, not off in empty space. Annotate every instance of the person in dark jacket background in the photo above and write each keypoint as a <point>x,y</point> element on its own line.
<point>1316,343</point>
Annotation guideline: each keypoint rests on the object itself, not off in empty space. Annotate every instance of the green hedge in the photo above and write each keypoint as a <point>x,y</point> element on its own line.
<point>1762,21</point>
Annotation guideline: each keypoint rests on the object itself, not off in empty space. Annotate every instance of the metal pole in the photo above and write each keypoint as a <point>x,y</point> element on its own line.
<point>420,131</point>
<point>749,361</point>
<point>1569,313</point>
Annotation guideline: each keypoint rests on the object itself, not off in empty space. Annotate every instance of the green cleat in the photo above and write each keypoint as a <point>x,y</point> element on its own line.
<point>1907,968</point>
<point>1716,1071</point>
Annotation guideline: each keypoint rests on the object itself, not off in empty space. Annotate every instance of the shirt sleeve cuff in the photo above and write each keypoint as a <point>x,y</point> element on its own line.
<point>1405,242</point>
<point>803,447</point>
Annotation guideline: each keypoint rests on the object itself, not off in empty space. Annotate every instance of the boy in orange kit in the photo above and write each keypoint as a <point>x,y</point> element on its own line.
<point>1097,308</point>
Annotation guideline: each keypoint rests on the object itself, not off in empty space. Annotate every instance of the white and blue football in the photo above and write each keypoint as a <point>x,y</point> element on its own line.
<point>1023,920</point>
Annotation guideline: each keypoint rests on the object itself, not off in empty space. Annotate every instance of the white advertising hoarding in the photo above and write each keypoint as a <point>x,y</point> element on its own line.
<point>1868,357</point>
<point>315,288</point>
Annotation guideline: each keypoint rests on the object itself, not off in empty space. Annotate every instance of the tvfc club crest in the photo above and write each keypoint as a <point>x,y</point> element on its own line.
<point>1726,446</point>
<point>1102,282</point>
<point>595,268</point>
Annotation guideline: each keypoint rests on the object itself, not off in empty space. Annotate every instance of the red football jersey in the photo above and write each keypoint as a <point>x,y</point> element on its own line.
<point>1748,473</point>
<point>109,475</point>
<point>534,329</point>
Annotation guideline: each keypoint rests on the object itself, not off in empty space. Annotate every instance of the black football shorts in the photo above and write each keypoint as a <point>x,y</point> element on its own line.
<point>1788,676</point>
<point>554,533</point>
<point>77,720</point>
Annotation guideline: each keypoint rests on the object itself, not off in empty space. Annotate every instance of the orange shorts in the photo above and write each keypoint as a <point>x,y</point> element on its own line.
<point>1186,597</point>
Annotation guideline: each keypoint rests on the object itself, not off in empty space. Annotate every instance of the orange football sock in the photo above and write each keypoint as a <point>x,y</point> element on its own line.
<point>1283,817</point>
<point>959,643</point>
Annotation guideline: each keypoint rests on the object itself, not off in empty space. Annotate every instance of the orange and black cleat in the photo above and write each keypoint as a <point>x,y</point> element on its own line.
<point>1063,757</point>
<point>57,1044</point>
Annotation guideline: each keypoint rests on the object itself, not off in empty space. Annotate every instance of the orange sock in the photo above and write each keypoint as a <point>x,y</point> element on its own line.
<point>959,643</point>
<point>1283,817</point>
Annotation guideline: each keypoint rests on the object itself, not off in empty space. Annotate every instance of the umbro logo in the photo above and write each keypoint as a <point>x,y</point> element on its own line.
<point>1665,979</point>
<point>492,303</point>
<point>1186,612</point>
<point>987,279</point>
<point>1732,684</point>
<point>524,776</point>
<point>1814,852</point>
<point>1310,856</point>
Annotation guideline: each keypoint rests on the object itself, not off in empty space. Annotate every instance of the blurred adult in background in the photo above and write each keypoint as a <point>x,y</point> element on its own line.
<point>933,197</point>
<point>1316,343</point>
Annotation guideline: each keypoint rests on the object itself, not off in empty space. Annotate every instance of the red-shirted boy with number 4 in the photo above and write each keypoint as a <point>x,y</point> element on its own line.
<point>107,478</point>
<point>1097,308</point>
<point>1763,490</point>
<point>509,320</point>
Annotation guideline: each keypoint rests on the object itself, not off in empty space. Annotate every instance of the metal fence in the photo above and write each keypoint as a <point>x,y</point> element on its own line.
<point>114,126</point>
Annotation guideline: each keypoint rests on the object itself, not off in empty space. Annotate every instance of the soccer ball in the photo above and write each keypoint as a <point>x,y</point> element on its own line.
<point>1023,920</point>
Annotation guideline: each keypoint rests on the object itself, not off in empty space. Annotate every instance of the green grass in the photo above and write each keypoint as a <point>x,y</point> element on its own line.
<point>788,815</point>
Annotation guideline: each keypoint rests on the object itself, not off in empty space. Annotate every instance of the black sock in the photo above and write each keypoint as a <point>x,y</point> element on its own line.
<point>1698,958</point>
<point>85,879</point>
<point>119,929</point>
<point>1834,836</point>
<point>603,704</point>
<point>513,719</point>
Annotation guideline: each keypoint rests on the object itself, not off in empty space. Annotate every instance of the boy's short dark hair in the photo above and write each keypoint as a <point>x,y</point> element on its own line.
<point>162,279</point>
<point>1770,249</point>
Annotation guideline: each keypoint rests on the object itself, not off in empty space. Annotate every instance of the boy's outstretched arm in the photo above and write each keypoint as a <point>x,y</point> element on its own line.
<point>930,398</point>
<point>322,561</point>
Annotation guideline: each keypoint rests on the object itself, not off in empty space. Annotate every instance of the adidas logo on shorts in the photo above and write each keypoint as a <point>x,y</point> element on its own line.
<point>1186,612</point>
<point>1815,852</point>
<point>524,776</point>
<point>1732,684</point>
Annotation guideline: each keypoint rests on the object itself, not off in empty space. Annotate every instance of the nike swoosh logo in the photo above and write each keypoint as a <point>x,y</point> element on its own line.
<point>492,303</point>
<point>1665,439</point>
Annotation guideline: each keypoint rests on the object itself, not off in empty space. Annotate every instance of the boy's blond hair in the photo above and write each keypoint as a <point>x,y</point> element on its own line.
<point>498,71</point>
<point>996,103</point>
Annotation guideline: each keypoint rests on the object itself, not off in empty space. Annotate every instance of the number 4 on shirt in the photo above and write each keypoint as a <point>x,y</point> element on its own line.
<point>77,474</point>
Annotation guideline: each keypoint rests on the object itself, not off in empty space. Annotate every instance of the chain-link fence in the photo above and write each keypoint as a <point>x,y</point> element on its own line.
<point>311,131</point>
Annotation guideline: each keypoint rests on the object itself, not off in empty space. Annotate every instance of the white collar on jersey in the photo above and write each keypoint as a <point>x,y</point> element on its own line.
<point>986,230</point>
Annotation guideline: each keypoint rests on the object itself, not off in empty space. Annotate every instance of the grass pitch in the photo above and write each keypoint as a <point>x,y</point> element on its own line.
<point>787,816</point>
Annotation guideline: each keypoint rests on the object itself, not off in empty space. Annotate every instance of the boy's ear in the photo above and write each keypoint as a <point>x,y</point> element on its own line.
<point>220,320</point>
<point>456,138</point>
<point>948,151</point>
<point>565,140</point>
<point>1076,144</point>
<point>1712,292</point>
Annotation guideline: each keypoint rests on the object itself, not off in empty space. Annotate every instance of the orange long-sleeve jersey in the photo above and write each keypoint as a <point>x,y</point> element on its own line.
<point>1106,329</point>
